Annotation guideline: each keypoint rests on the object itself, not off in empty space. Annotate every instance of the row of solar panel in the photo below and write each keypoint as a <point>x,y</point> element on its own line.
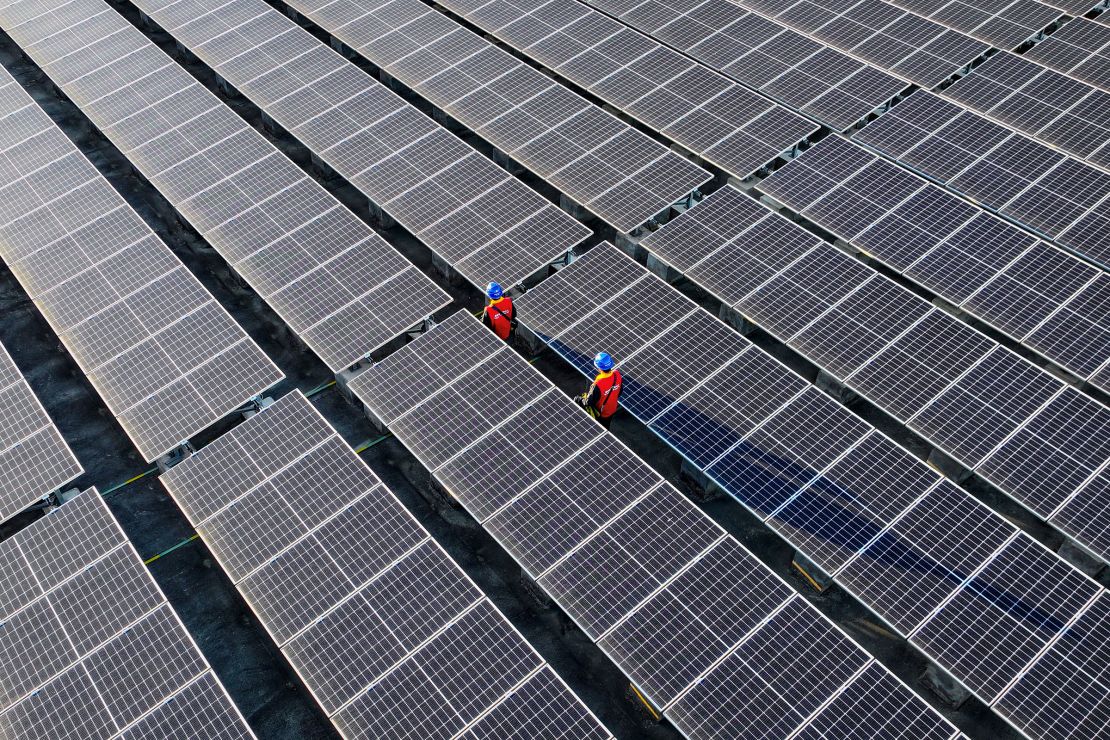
<point>1058,196</point>
<point>318,265</point>
<point>165,356</point>
<point>736,130</point>
<point>994,412</point>
<point>34,459</point>
<point>1081,349</point>
<point>390,636</point>
<point>488,224</point>
<point>1018,92</point>
<point>599,162</point>
<point>89,647</point>
<point>974,593</point>
<point>535,697</point>
<point>1041,296</point>
<point>708,634</point>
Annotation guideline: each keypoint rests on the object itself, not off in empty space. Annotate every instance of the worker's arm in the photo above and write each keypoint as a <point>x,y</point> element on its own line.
<point>485,317</point>
<point>512,312</point>
<point>593,396</point>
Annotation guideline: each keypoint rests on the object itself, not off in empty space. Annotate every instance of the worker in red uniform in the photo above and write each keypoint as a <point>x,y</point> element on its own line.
<point>500,314</point>
<point>603,395</point>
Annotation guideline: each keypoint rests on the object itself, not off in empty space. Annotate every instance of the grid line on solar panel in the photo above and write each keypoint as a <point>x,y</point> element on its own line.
<point>1002,25</point>
<point>622,569</point>
<point>800,457</point>
<point>94,612</point>
<point>327,273</point>
<point>983,405</point>
<point>110,289</point>
<point>762,55</point>
<point>1037,294</point>
<point>34,459</point>
<point>1079,48</point>
<point>340,111</point>
<point>703,111</point>
<point>618,174</point>
<point>1056,196</point>
<point>1021,94</point>
<point>880,33</point>
<point>349,585</point>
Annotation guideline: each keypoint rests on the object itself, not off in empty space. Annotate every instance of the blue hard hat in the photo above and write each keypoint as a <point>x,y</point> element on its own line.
<point>493,290</point>
<point>603,362</point>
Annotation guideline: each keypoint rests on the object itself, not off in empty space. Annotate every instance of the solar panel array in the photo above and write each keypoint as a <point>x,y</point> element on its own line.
<point>328,275</point>
<point>166,358</point>
<point>735,129</point>
<point>34,459</point>
<point>90,648</point>
<point>883,34</point>
<point>1037,294</point>
<point>1005,24</point>
<point>707,633</point>
<point>980,403</point>
<point>1080,48</point>
<point>1059,110</point>
<point>1060,197</point>
<point>975,594</point>
<point>612,170</point>
<point>483,221</point>
<point>797,71</point>
<point>388,633</point>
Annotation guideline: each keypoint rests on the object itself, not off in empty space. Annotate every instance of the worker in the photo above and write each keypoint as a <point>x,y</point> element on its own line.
<point>500,314</point>
<point>603,395</point>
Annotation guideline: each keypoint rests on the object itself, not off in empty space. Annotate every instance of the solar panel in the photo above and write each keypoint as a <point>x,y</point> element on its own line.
<point>385,629</point>
<point>670,605</point>
<point>34,459</point>
<point>879,32</point>
<point>91,648</point>
<point>1039,295</point>
<point>1080,48</point>
<point>1062,198</point>
<point>761,54</point>
<point>327,273</point>
<point>1005,25</point>
<point>719,120</point>
<point>476,216</point>
<point>1060,111</point>
<point>982,404</point>
<point>866,511</point>
<point>167,359</point>
<point>595,160</point>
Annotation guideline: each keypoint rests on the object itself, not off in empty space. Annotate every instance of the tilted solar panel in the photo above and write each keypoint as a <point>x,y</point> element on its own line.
<point>734,129</point>
<point>879,32</point>
<point>1023,95</point>
<point>797,71</point>
<point>91,649</point>
<point>166,358</point>
<point>34,459</point>
<point>982,404</point>
<point>1041,296</point>
<point>385,629</point>
<point>1080,48</point>
<point>697,623</point>
<point>597,161</point>
<point>478,217</point>
<point>327,273</point>
<point>935,563</point>
<point>1065,200</point>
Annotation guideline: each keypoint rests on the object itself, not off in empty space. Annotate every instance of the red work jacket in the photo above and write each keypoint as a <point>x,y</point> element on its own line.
<point>605,393</point>
<point>499,315</point>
